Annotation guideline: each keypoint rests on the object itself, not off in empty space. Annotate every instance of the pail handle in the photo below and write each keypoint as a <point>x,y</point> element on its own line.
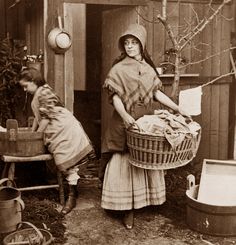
<point>5,180</point>
<point>35,228</point>
<point>22,204</point>
<point>190,181</point>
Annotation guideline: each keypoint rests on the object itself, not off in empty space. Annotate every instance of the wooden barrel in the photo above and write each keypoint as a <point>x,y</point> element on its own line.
<point>209,219</point>
<point>21,141</point>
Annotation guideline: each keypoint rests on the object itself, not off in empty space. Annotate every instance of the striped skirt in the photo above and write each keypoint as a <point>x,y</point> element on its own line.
<point>127,187</point>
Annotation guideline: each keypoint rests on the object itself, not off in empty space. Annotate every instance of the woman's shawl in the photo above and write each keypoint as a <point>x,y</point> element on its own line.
<point>133,81</point>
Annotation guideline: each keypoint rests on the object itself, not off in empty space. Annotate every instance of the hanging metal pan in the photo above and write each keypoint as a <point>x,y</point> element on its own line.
<point>58,39</point>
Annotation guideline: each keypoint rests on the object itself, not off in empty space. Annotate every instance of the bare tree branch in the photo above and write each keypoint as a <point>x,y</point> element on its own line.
<point>205,23</point>
<point>209,57</point>
<point>218,78</point>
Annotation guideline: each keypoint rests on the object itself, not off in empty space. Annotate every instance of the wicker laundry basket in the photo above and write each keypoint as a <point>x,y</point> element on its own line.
<point>155,152</point>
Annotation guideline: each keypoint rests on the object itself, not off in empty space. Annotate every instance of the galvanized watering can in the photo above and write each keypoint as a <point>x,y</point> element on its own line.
<point>11,206</point>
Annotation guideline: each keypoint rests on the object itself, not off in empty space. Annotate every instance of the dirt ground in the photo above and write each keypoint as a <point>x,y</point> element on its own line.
<point>89,224</point>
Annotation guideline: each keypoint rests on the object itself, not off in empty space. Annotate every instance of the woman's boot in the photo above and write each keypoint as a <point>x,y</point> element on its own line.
<point>71,201</point>
<point>128,219</point>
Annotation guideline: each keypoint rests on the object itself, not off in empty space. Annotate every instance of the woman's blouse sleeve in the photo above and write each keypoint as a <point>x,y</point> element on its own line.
<point>47,101</point>
<point>157,84</point>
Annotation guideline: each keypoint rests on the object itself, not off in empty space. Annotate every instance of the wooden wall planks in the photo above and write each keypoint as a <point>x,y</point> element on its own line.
<point>216,37</point>
<point>214,118</point>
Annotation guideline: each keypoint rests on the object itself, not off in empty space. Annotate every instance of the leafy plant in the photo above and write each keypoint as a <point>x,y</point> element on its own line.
<point>11,53</point>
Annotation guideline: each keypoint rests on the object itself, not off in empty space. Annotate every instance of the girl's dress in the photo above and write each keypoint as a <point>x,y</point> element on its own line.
<point>125,186</point>
<point>64,136</point>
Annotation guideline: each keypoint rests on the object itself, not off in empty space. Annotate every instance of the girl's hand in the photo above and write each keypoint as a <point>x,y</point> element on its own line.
<point>128,120</point>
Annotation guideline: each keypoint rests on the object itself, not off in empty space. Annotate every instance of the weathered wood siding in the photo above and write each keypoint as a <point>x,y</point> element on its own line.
<point>12,19</point>
<point>34,26</point>
<point>214,118</point>
<point>23,21</point>
<point>214,39</point>
<point>34,20</point>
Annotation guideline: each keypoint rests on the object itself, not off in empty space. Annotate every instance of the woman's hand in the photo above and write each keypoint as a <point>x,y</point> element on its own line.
<point>128,120</point>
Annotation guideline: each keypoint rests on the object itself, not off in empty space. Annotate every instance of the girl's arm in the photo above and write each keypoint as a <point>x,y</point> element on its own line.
<point>35,125</point>
<point>165,100</point>
<point>42,125</point>
<point>119,106</point>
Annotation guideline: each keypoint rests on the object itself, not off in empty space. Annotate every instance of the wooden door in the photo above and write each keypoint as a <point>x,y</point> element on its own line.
<point>75,57</point>
<point>114,23</point>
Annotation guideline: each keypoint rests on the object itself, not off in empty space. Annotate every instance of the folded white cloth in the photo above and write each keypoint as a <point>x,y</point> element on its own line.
<point>190,100</point>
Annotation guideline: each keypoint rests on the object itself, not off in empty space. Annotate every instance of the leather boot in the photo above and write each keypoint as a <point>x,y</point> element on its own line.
<point>128,219</point>
<point>71,201</point>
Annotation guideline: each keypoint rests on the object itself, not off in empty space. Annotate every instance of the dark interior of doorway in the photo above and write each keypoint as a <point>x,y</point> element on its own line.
<point>87,106</point>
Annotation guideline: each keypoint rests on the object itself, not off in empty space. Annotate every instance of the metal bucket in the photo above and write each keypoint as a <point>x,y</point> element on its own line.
<point>11,206</point>
<point>209,219</point>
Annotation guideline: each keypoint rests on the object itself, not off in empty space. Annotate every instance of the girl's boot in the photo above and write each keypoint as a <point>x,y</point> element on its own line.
<point>71,201</point>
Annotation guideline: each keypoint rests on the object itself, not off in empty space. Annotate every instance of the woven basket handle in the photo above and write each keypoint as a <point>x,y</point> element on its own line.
<point>196,144</point>
<point>35,228</point>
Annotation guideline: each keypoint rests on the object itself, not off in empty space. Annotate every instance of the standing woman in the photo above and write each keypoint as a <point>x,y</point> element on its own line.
<point>132,85</point>
<point>64,136</point>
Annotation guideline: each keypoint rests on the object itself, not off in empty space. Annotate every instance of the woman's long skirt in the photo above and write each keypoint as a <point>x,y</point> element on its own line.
<point>127,187</point>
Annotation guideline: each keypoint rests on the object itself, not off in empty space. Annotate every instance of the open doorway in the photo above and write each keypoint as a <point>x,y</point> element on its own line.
<point>87,98</point>
<point>95,30</point>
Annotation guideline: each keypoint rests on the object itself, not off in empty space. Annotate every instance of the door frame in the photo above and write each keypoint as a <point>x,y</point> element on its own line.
<point>110,2</point>
<point>54,64</point>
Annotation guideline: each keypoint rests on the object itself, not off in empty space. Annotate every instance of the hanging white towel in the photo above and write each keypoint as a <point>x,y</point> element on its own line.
<point>190,100</point>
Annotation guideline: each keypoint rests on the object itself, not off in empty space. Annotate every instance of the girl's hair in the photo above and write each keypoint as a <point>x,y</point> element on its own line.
<point>32,75</point>
<point>145,56</point>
